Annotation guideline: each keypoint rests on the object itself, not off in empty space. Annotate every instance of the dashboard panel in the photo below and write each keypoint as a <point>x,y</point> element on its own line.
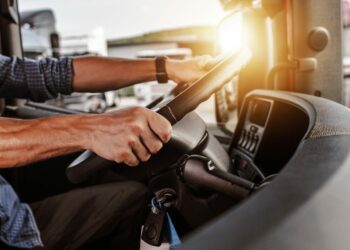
<point>268,133</point>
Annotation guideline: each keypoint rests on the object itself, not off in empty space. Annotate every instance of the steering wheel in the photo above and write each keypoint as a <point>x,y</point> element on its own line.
<point>88,163</point>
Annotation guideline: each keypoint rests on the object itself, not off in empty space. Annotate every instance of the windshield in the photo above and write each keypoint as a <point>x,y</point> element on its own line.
<point>123,18</point>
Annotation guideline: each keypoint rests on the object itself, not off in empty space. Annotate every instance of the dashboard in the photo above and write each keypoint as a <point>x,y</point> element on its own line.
<point>269,131</point>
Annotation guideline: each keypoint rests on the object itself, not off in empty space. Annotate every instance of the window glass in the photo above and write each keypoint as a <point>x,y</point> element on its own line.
<point>129,28</point>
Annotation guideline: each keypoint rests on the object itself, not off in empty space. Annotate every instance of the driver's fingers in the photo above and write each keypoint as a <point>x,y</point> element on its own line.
<point>129,158</point>
<point>160,126</point>
<point>151,141</point>
<point>139,149</point>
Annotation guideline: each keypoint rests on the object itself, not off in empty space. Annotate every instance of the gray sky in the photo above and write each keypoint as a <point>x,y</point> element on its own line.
<point>121,18</point>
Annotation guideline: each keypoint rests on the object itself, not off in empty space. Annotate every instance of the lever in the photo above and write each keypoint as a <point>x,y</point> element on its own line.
<point>199,171</point>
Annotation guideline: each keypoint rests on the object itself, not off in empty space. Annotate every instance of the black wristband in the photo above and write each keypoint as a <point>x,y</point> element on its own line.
<point>162,75</point>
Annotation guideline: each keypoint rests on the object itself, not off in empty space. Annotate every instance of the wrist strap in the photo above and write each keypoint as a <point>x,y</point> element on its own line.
<point>162,75</point>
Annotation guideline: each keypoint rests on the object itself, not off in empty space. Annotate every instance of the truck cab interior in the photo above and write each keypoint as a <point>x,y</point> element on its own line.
<point>280,180</point>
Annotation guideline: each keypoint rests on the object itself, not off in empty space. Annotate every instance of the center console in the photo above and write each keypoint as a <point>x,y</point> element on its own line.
<point>269,131</point>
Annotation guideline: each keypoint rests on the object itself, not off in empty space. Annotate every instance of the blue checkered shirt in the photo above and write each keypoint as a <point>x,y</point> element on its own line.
<point>39,81</point>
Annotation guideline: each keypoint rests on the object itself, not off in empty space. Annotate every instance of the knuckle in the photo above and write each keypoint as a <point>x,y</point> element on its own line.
<point>145,157</point>
<point>156,147</point>
<point>166,129</point>
<point>122,155</point>
<point>136,127</point>
<point>132,142</point>
<point>132,163</point>
<point>137,111</point>
<point>165,135</point>
<point>169,133</point>
<point>117,160</point>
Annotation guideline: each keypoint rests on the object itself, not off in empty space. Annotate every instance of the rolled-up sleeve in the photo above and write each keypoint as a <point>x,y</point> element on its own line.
<point>38,80</point>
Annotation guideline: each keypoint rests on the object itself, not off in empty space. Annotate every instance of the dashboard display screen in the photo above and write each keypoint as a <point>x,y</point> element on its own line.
<point>259,112</point>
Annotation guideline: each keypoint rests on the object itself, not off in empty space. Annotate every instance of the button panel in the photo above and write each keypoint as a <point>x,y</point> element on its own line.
<point>249,139</point>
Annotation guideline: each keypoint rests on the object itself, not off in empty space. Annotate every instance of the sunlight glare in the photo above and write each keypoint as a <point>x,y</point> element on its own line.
<point>230,34</point>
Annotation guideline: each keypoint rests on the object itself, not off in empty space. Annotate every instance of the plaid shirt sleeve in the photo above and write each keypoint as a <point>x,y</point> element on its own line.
<point>17,223</point>
<point>38,80</point>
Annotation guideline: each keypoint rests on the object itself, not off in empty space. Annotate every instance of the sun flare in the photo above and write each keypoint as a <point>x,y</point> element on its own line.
<point>231,34</point>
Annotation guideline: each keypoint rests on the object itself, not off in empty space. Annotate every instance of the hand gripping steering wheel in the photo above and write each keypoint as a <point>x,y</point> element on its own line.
<point>88,163</point>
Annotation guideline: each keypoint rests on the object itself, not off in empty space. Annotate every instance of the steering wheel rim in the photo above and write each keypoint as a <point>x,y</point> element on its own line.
<point>88,163</point>
<point>203,88</point>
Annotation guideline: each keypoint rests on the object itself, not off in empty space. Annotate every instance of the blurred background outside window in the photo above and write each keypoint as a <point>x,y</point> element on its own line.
<point>130,29</point>
<point>139,29</point>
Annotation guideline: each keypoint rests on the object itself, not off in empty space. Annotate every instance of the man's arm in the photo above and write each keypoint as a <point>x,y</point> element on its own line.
<point>129,136</point>
<point>44,79</point>
<point>25,141</point>
<point>93,74</point>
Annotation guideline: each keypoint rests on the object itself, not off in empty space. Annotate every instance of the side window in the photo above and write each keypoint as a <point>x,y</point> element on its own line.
<point>129,30</point>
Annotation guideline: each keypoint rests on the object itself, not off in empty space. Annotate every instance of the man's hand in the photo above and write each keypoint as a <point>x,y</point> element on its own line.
<point>190,70</point>
<point>129,135</point>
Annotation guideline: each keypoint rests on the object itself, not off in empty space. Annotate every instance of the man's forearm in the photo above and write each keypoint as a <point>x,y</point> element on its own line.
<point>127,136</point>
<point>26,141</point>
<point>94,74</point>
